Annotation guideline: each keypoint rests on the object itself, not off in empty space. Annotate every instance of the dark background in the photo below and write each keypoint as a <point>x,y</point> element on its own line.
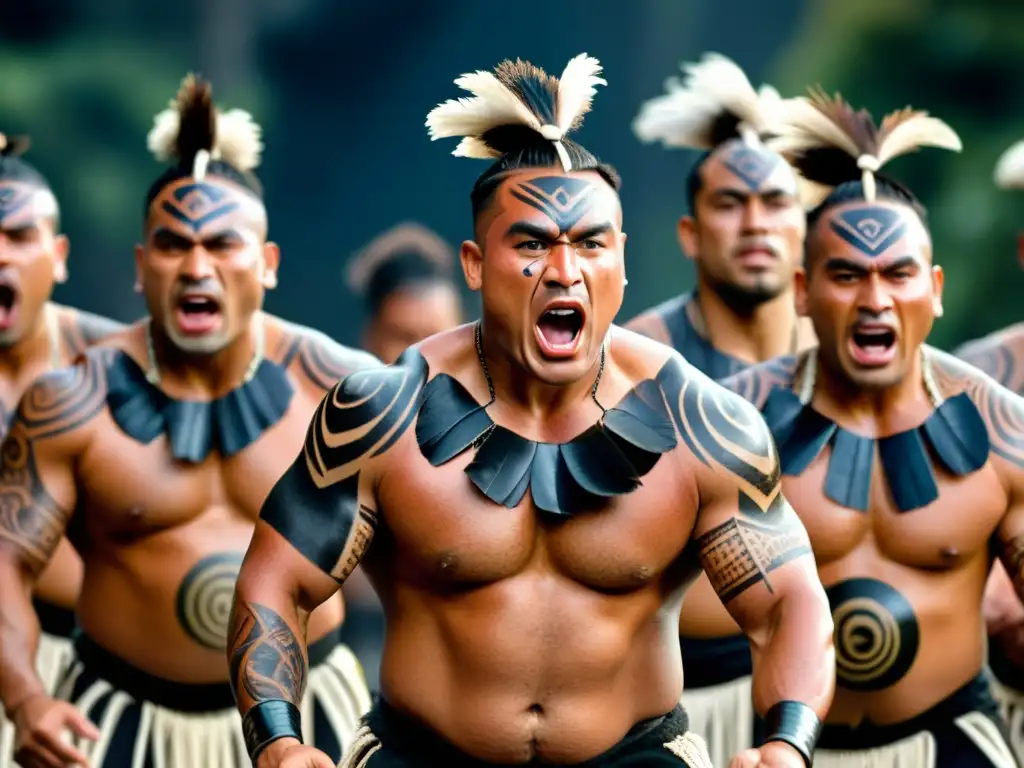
<point>342,89</point>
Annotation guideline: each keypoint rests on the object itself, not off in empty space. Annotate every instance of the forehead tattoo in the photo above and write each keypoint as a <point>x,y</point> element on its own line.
<point>871,230</point>
<point>751,165</point>
<point>13,200</point>
<point>563,199</point>
<point>198,204</point>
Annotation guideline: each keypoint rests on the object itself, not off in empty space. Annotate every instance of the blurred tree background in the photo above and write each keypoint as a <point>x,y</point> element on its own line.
<point>342,88</point>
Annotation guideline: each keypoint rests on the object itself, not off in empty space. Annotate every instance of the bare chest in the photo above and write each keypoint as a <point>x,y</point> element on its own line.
<point>129,490</point>
<point>443,529</point>
<point>946,533</point>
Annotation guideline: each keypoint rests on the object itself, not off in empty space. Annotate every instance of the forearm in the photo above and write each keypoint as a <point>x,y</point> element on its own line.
<point>796,660</point>
<point>19,638</point>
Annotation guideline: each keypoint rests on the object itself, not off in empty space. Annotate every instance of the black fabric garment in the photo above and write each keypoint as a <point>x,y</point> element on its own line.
<point>564,479</point>
<point>955,435</point>
<point>195,428</point>
<point>954,749</point>
<point>407,743</point>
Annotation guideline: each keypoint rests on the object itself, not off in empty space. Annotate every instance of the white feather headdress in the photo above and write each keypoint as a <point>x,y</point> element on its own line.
<point>714,102</point>
<point>517,93</point>
<point>830,143</point>
<point>1009,173</point>
<point>402,238</point>
<point>192,130</point>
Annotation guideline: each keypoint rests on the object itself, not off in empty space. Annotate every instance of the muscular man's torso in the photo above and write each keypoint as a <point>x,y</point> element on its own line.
<point>162,540</point>
<point>60,582</point>
<point>905,586</point>
<point>537,625</point>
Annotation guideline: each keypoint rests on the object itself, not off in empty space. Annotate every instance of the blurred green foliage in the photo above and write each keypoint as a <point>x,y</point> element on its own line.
<point>961,61</point>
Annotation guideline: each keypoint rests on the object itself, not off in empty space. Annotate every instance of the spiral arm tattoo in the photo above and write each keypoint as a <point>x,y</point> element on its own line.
<point>205,596</point>
<point>31,521</point>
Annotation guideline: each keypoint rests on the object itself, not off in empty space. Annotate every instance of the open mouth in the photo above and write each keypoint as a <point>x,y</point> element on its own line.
<point>198,313</point>
<point>8,305</point>
<point>559,329</point>
<point>873,345</point>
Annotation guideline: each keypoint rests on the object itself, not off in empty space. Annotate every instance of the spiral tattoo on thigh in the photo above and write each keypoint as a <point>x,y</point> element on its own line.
<point>205,597</point>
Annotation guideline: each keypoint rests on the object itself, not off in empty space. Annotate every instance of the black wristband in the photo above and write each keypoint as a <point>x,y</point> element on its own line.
<point>796,724</point>
<point>269,721</point>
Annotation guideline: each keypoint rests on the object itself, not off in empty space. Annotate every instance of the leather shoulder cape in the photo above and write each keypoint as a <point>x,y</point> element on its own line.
<point>954,435</point>
<point>606,460</point>
<point>195,428</point>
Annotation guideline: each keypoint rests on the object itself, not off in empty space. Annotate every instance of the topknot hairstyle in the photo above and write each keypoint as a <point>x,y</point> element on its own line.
<point>840,150</point>
<point>521,116</point>
<point>198,140</point>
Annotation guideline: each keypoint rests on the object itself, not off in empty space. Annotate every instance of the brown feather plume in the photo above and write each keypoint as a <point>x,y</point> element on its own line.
<point>14,146</point>
<point>198,115</point>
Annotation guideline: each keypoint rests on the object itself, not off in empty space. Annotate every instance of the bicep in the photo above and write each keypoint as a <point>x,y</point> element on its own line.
<point>753,557</point>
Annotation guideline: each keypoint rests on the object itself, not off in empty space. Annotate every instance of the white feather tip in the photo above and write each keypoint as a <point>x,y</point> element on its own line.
<point>1009,172</point>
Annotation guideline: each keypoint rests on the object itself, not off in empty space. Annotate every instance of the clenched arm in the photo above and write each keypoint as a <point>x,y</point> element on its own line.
<point>37,497</point>
<point>315,527</point>
<point>753,547</point>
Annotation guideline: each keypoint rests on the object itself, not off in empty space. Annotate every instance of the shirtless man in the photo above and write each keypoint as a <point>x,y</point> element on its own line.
<point>532,566</point>
<point>746,236</point>
<point>37,335</point>
<point>155,452</point>
<point>904,536</point>
<point>1001,356</point>
<point>404,276</point>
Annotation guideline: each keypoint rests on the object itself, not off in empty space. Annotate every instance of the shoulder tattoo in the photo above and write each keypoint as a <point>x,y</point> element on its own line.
<point>82,329</point>
<point>1000,409</point>
<point>315,506</point>
<point>997,360</point>
<point>267,660</point>
<point>323,361</point>
<point>724,431</point>
<point>742,551</point>
<point>55,404</point>
<point>755,383</point>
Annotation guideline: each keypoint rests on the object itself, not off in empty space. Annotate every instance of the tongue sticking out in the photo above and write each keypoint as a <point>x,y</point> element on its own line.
<point>559,327</point>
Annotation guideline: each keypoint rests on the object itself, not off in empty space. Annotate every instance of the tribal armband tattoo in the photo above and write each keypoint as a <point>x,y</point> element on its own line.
<point>315,506</point>
<point>728,434</point>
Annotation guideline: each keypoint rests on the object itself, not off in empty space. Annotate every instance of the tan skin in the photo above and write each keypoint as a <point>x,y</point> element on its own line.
<point>33,258</point>
<point>1001,356</point>
<point>408,316</point>
<point>546,642</point>
<point>732,218</point>
<point>937,557</point>
<point>142,526</point>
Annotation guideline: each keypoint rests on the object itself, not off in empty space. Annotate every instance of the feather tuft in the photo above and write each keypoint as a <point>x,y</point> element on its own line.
<point>14,146</point>
<point>192,125</point>
<point>404,237</point>
<point>829,142</point>
<point>1009,173</point>
<point>714,102</point>
<point>515,94</point>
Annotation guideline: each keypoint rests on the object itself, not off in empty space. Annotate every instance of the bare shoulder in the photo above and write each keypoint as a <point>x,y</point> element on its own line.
<point>724,432</point>
<point>81,330</point>
<point>755,383</point>
<point>314,356</point>
<point>65,402</point>
<point>651,325</point>
<point>999,354</point>
<point>1001,409</point>
<point>362,417</point>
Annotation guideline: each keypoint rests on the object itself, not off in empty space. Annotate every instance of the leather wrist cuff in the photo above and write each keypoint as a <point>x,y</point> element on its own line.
<point>796,724</point>
<point>269,721</point>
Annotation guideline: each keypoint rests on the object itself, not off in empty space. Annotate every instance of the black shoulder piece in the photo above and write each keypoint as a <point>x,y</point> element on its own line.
<point>315,506</point>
